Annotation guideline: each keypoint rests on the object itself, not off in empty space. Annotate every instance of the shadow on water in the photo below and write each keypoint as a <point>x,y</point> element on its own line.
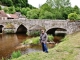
<point>12,42</point>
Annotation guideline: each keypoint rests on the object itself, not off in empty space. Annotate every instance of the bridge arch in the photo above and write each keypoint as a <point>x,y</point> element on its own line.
<point>52,31</point>
<point>1,26</point>
<point>21,29</point>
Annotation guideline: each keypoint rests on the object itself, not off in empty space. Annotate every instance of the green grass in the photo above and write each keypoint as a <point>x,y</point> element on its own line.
<point>36,40</point>
<point>66,50</point>
<point>16,54</point>
<point>32,41</point>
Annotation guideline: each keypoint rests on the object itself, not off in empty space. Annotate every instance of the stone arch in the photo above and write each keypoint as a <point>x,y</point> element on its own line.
<point>21,29</point>
<point>1,26</point>
<point>53,30</point>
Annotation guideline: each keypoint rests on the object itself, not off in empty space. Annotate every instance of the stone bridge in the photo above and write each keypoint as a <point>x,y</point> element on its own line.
<point>25,26</point>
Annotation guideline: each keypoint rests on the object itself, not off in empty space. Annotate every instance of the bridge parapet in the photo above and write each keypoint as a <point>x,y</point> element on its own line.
<point>70,27</point>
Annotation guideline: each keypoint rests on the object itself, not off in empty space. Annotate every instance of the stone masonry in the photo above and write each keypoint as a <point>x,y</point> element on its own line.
<point>69,26</point>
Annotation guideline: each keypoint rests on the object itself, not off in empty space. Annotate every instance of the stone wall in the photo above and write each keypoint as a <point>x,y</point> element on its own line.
<point>69,26</point>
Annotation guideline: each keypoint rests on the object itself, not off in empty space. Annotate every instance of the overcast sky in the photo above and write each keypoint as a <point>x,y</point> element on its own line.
<point>36,3</point>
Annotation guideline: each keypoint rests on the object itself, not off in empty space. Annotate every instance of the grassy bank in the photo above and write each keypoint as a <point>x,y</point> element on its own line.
<point>66,50</point>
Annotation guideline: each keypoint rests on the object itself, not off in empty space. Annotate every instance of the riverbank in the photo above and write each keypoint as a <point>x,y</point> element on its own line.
<point>66,50</point>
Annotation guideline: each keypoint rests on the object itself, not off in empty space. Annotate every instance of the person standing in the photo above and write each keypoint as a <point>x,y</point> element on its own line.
<point>43,40</point>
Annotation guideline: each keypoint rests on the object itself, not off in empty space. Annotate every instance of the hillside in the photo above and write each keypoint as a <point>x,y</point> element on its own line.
<point>66,50</point>
<point>16,3</point>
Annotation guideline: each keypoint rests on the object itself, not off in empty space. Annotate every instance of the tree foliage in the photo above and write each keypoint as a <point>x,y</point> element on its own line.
<point>0,8</point>
<point>10,10</point>
<point>25,10</point>
<point>45,15</point>
<point>16,3</point>
<point>76,9</point>
<point>6,9</point>
<point>52,9</point>
<point>33,14</point>
<point>7,2</point>
<point>46,7</point>
<point>18,9</point>
<point>20,3</point>
<point>58,3</point>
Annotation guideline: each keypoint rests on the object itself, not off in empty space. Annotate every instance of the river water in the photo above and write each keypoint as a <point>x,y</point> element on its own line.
<point>12,42</point>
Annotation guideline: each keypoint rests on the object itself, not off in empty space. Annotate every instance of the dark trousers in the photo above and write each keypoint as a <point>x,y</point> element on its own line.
<point>44,47</point>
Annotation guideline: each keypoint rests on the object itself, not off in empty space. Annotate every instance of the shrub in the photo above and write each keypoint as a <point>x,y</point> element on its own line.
<point>78,17</point>
<point>16,54</point>
<point>35,33</point>
<point>72,16</point>
<point>6,9</point>
<point>50,38</point>
<point>36,40</point>
<point>32,41</point>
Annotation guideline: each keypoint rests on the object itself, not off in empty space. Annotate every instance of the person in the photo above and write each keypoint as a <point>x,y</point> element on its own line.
<point>43,40</point>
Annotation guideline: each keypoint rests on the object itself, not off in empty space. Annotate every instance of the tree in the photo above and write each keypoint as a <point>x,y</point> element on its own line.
<point>65,11</point>
<point>33,14</point>
<point>57,15</point>
<point>0,8</point>
<point>7,2</point>
<point>76,9</point>
<point>6,9</point>
<point>17,9</point>
<point>20,3</point>
<point>11,10</point>
<point>46,7</point>
<point>25,10</point>
<point>45,15</point>
<point>58,3</point>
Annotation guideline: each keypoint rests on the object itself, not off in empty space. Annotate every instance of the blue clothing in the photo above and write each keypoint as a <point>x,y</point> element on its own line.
<point>44,47</point>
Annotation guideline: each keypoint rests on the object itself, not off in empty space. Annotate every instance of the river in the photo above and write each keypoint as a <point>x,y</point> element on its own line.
<point>12,42</point>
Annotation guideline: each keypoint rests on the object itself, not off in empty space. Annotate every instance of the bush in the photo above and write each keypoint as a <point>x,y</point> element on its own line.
<point>16,54</point>
<point>6,9</point>
<point>78,18</point>
<point>36,40</point>
<point>32,41</point>
<point>35,33</point>
<point>72,16</point>
<point>50,38</point>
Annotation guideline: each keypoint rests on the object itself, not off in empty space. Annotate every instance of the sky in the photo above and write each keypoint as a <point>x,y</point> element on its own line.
<point>36,3</point>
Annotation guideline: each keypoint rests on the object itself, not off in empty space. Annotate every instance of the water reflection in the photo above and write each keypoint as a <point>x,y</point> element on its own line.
<point>8,42</point>
<point>12,42</point>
